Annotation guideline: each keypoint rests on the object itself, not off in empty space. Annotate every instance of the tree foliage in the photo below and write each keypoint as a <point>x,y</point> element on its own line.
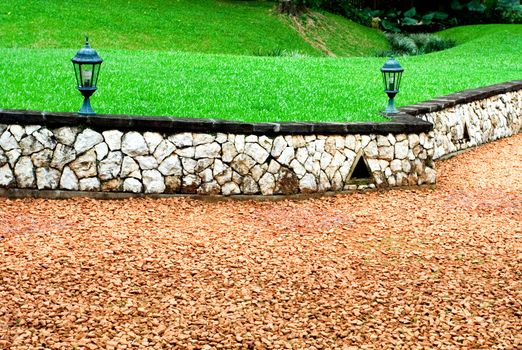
<point>414,15</point>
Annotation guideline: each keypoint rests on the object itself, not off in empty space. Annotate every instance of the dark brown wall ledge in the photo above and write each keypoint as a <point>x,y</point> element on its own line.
<point>401,123</point>
<point>461,97</point>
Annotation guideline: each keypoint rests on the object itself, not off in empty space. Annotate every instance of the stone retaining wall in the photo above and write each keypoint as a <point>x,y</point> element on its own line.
<point>472,117</point>
<point>72,158</point>
<point>154,155</point>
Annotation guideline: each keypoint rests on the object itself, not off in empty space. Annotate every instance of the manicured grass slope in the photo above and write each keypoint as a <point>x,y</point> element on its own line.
<point>337,36</point>
<point>209,26</point>
<point>195,85</point>
<point>473,32</point>
<point>168,83</point>
<point>347,38</point>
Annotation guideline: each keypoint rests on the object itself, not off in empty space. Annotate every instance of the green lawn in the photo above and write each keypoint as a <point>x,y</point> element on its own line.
<point>208,26</point>
<point>464,34</point>
<point>145,72</point>
<point>336,36</point>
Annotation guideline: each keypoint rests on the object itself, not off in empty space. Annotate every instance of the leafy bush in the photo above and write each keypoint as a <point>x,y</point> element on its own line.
<point>277,52</point>
<point>393,16</point>
<point>416,44</point>
<point>396,21</point>
<point>510,11</point>
<point>401,44</point>
<point>427,43</point>
<point>475,11</point>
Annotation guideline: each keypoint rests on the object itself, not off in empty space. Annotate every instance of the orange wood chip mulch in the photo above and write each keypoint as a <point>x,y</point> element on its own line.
<point>400,269</point>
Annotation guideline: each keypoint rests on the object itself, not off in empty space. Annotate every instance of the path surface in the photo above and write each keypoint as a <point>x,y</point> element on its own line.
<point>432,268</point>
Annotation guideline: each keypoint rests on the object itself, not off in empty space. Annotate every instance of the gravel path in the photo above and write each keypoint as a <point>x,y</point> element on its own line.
<point>399,269</point>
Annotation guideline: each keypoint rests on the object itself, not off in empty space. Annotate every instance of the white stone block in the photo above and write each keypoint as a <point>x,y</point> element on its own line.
<point>401,149</point>
<point>8,142</point>
<point>230,188</point>
<point>90,184</point>
<point>101,150</point>
<point>132,185</point>
<point>278,146</point>
<point>85,165</point>
<point>66,135</point>
<point>171,166</point>
<point>86,140</point>
<point>163,150</point>
<point>147,162</point>
<point>209,150</point>
<point>181,140</point>
<point>153,181</point>
<point>308,184</point>
<point>68,180</point>
<point>152,139</point>
<point>201,139</point>
<point>47,178</point>
<point>256,152</point>
<point>6,176</point>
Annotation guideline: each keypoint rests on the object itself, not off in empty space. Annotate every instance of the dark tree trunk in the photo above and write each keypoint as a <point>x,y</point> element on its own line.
<point>289,7</point>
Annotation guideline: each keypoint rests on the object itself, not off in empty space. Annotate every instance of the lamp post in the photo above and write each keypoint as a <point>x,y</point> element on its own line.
<point>87,65</point>
<point>391,75</point>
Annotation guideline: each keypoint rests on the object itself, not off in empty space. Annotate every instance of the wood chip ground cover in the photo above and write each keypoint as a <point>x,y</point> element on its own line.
<point>399,269</point>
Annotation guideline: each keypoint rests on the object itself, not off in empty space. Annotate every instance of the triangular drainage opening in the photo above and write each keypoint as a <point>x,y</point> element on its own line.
<point>360,172</point>
<point>465,134</point>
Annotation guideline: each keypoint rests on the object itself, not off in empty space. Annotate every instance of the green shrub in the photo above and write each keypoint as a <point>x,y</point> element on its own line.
<point>402,44</point>
<point>510,11</point>
<point>277,52</point>
<point>401,16</point>
<point>416,44</point>
<point>427,43</point>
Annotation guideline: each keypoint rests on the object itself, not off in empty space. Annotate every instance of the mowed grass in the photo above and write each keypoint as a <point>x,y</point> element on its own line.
<point>347,38</point>
<point>138,80</point>
<point>208,26</point>
<point>335,35</point>
<point>197,85</point>
<point>464,34</point>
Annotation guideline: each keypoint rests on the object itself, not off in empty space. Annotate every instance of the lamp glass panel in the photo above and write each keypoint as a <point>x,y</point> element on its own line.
<point>398,77</point>
<point>87,71</point>
<point>387,80</point>
<point>95,74</point>
<point>386,77</point>
<point>392,80</point>
<point>77,74</point>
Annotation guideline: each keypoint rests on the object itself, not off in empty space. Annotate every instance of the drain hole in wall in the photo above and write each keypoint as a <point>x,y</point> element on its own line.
<point>465,134</point>
<point>360,172</point>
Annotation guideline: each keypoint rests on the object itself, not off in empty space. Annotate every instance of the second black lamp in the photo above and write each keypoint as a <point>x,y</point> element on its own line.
<point>87,65</point>
<point>391,75</point>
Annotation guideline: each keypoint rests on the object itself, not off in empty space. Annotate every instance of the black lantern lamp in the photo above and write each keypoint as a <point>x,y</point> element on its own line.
<point>87,65</point>
<point>391,75</point>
